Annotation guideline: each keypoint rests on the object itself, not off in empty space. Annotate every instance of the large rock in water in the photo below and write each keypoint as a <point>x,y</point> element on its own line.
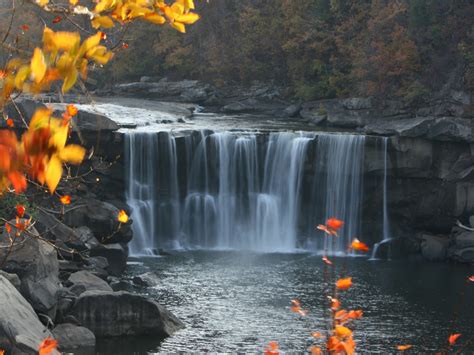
<point>36,264</point>
<point>434,247</point>
<point>122,314</point>
<point>21,332</point>
<point>86,281</point>
<point>72,337</point>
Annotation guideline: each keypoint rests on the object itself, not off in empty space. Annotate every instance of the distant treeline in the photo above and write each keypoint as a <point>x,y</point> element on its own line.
<point>409,49</point>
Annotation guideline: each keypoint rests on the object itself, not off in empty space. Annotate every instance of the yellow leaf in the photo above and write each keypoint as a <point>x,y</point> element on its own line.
<point>59,137</point>
<point>99,54</point>
<point>90,43</point>
<point>178,26</point>
<point>65,41</point>
<point>72,153</point>
<point>73,2</point>
<point>41,118</point>
<point>155,18</point>
<point>38,65</point>
<point>70,79</point>
<point>42,3</point>
<point>187,19</point>
<point>54,172</point>
<point>102,21</point>
<point>103,5</point>
<point>342,331</point>
<point>21,76</point>
<point>122,217</point>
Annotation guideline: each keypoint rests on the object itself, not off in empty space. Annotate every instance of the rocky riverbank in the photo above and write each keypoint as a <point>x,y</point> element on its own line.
<point>63,276</point>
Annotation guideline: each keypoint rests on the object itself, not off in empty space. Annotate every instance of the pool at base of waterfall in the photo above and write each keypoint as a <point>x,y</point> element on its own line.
<point>240,301</point>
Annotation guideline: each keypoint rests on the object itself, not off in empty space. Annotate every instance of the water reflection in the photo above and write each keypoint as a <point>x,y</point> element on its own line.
<point>239,302</point>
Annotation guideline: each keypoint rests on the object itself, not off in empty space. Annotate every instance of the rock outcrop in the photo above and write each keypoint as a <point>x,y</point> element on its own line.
<point>21,332</point>
<point>71,337</point>
<point>122,313</point>
<point>35,262</point>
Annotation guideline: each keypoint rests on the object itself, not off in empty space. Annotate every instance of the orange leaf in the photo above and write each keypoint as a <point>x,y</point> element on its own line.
<point>344,284</point>
<point>316,335</point>
<point>335,304</point>
<point>404,347</point>
<point>25,27</point>
<point>9,230</point>
<point>47,346</point>
<point>65,200</point>
<point>18,181</point>
<point>272,348</point>
<point>327,230</point>
<point>359,246</point>
<point>315,350</point>
<point>334,223</point>
<point>71,110</point>
<point>326,260</point>
<point>20,210</point>
<point>453,337</point>
<point>57,19</point>
<point>122,217</point>
<point>10,123</point>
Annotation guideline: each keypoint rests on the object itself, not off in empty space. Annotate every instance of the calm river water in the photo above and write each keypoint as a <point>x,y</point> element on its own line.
<point>238,302</point>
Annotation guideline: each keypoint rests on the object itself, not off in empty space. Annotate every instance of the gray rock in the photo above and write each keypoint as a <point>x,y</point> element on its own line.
<point>452,129</point>
<point>101,218</point>
<point>252,105</point>
<point>116,256</point>
<point>36,264</point>
<point>357,103</point>
<point>292,110</point>
<point>123,313</point>
<point>13,278</point>
<point>434,247</point>
<point>86,236</point>
<point>86,281</point>
<point>410,127</point>
<point>21,332</point>
<point>72,337</point>
<point>471,221</point>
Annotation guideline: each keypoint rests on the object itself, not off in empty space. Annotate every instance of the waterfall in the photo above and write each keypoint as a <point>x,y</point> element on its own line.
<point>386,222</point>
<point>241,191</point>
<point>386,235</point>
<point>152,191</point>
<point>339,184</point>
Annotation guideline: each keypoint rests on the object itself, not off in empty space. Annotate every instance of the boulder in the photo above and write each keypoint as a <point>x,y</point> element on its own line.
<point>101,218</point>
<point>73,337</point>
<point>13,278</point>
<point>357,103</point>
<point>292,110</point>
<point>98,265</point>
<point>433,247</point>
<point>452,129</point>
<point>123,314</point>
<point>36,264</point>
<point>85,235</point>
<point>116,256</point>
<point>253,105</point>
<point>21,332</point>
<point>83,281</point>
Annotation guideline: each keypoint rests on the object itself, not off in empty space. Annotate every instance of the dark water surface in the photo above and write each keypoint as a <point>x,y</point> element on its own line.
<point>238,302</point>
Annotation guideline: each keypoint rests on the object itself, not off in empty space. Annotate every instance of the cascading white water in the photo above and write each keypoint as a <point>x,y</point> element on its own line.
<point>386,222</point>
<point>386,235</point>
<point>152,190</point>
<point>338,186</point>
<point>241,191</point>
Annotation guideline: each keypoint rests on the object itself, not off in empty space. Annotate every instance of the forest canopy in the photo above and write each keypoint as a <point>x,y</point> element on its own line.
<point>316,48</point>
